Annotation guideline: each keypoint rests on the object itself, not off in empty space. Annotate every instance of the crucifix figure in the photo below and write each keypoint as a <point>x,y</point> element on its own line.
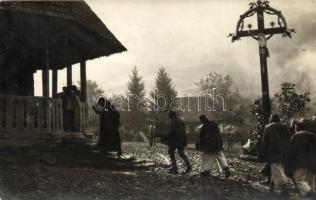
<point>262,35</point>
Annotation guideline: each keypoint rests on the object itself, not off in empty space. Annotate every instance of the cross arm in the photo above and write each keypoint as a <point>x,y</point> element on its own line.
<point>267,31</point>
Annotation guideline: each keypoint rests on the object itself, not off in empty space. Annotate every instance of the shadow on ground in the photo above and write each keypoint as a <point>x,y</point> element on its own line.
<point>82,172</point>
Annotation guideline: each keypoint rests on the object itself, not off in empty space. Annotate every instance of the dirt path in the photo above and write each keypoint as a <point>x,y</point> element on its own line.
<point>63,173</point>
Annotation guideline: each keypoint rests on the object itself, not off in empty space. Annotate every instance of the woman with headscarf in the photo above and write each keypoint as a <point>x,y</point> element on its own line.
<point>210,143</point>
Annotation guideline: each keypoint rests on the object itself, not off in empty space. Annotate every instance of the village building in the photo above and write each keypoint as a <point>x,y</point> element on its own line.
<point>47,36</point>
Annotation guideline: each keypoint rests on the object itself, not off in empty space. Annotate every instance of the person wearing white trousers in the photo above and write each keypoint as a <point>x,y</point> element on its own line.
<point>210,144</point>
<point>209,160</point>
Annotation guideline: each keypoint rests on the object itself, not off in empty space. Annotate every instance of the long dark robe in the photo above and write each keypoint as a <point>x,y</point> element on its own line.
<point>109,139</point>
<point>68,109</point>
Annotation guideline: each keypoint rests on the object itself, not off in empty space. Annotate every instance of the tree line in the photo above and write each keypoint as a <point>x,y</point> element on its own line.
<point>240,110</point>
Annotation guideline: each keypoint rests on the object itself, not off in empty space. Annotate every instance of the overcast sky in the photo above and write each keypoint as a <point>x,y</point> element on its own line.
<point>189,38</point>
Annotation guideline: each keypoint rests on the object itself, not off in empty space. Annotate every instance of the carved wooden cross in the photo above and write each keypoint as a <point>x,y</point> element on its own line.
<point>262,34</point>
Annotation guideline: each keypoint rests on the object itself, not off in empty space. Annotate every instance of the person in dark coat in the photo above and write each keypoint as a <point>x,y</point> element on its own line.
<point>68,109</point>
<point>109,138</point>
<point>116,138</point>
<point>177,141</point>
<point>276,137</point>
<point>301,161</point>
<point>210,143</point>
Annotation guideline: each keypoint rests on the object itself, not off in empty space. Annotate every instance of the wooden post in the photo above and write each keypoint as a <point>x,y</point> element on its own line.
<point>54,84</point>
<point>83,82</point>
<point>266,103</point>
<point>45,75</point>
<point>69,76</point>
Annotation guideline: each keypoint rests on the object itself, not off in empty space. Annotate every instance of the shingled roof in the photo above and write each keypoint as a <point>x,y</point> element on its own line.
<point>53,21</point>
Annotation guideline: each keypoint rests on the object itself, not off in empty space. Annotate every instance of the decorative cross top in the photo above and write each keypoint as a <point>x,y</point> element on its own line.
<point>261,7</point>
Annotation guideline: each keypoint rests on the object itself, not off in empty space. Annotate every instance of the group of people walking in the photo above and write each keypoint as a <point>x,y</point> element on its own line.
<point>209,143</point>
<point>289,157</point>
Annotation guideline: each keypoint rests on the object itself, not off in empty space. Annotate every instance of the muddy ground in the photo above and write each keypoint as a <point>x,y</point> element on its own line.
<point>81,172</point>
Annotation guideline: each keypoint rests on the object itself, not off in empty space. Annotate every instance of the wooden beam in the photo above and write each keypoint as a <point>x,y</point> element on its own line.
<point>69,76</point>
<point>267,31</point>
<point>83,81</point>
<point>45,82</point>
<point>45,75</point>
<point>266,102</point>
<point>247,33</point>
<point>54,83</point>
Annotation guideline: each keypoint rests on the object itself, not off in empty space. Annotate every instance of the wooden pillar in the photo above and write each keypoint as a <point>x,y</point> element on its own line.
<point>266,103</point>
<point>69,76</point>
<point>83,81</point>
<point>54,83</point>
<point>45,81</point>
<point>45,75</point>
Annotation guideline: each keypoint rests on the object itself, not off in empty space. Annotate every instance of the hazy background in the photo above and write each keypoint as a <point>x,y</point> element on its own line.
<point>189,38</point>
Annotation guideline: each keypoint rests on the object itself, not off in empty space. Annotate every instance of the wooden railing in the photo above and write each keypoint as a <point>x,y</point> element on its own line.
<point>81,114</point>
<point>26,115</point>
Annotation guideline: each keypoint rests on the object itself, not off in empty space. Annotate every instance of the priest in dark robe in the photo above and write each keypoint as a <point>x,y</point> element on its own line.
<point>109,138</point>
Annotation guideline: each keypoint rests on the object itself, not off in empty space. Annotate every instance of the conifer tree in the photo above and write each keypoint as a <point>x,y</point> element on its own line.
<point>164,92</point>
<point>136,101</point>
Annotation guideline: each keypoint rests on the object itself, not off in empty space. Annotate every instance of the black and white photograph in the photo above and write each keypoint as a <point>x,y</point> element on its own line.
<point>157,100</point>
